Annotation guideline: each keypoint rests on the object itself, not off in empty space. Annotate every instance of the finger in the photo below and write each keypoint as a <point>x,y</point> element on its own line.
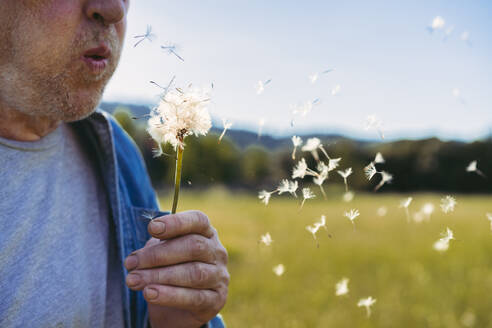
<point>191,275</point>
<point>189,248</point>
<point>195,300</point>
<point>184,223</point>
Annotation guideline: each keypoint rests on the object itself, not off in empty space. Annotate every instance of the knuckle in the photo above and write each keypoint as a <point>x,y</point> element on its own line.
<point>156,257</point>
<point>198,247</point>
<point>200,299</point>
<point>202,220</point>
<point>199,274</point>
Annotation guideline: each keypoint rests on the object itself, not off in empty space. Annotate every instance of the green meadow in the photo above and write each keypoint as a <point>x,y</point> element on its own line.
<point>386,257</point>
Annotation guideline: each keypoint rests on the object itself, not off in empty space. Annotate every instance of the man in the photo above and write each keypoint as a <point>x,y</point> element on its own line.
<point>75,249</point>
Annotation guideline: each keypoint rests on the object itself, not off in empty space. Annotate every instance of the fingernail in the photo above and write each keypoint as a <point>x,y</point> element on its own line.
<point>157,227</point>
<point>151,293</point>
<point>131,262</point>
<point>133,279</point>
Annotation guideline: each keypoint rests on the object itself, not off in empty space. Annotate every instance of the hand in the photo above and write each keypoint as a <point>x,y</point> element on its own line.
<point>182,271</point>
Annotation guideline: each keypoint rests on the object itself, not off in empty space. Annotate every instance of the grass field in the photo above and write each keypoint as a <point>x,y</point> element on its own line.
<point>385,257</point>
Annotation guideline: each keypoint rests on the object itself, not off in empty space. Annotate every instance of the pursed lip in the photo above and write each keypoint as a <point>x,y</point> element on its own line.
<point>97,58</point>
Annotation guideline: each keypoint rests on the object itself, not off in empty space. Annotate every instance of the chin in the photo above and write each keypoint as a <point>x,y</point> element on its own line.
<point>81,105</point>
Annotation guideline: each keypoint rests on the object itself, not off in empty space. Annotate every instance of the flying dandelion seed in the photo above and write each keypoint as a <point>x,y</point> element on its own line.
<point>448,204</point>
<point>348,197</point>
<point>341,287</point>
<point>370,171</point>
<point>264,196</point>
<point>352,215</point>
<point>312,145</point>
<point>301,170</point>
<point>336,90</point>
<point>442,244</point>
<point>345,174</point>
<point>296,141</point>
<point>367,303</point>
<point>227,125</point>
<point>372,122</point>
<point>405,204</point>
<point>306,194</point>
<point>166,89</point>
<point>448,33</point>
<point>465,37</point>
<point>427,210</point>
<point>260,86</point>
<point>313,78</point>
<point>261,124</point>
<point>472,167</point>
<point>489,217</point>
<point>385,179</point>
<point>279,270</point>
<point>319,180</point>
<point>379,159</point>
<point>172,49</point>
<point>436,24</point>
<point>382,211</point>
<point>266,239</point>
<point>316,226</point>
<point>288,186</point>
<point>147,36</point>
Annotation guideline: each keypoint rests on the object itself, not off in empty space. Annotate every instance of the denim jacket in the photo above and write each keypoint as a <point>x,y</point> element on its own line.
<point>130,197</point>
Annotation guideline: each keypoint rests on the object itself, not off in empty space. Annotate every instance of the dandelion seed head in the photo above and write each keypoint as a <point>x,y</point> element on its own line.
<point>307,193</point>
<point>370,171</point>
<point>352,214</point>
<point>266,239</point>
<point>296,141</point>
<point>345,174</point>
<point>341,287</point>
<point>367,303</point>
<point>312,144</point>
<point>379,159</point>
<point>448,204</point>
<point>279,269</point>
<point>179,115</point>
<point>264,196</point>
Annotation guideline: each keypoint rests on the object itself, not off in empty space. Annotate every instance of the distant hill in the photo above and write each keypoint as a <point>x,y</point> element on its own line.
<point>241,137</point>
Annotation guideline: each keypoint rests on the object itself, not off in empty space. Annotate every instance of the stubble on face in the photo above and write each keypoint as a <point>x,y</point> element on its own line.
<point>42,74</point>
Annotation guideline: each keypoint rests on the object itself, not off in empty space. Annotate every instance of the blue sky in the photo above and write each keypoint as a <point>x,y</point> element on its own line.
<point>387,63</point>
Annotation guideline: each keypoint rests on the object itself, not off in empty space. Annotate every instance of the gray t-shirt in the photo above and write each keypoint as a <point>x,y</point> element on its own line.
<point>59,265</point>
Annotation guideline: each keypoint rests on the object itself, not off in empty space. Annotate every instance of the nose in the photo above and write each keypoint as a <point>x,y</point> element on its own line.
<point>106,12</point>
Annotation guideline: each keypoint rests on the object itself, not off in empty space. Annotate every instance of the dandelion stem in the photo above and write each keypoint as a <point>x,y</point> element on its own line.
<point>177,178</point>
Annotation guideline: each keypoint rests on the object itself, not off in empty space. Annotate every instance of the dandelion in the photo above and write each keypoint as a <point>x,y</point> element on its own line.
<point>260,86</point>
<point>172,49</point>
<point>279,269</point>
<point>296,141</point>
<point>301,170</point>
<point>448,204</point>
<point>179,115</point>
<point>442,244</point>
<point>372,122</point>
<point>227,125</point>
<point>382,211</point>
<point>473,167</point>
<point>352,215</point>
<point>341,287</point>
<point>288,186</point>
<point>345,174</point>
<point>147,36</point>
<point>336,90</point>
<point>261,123</point>
<point>316,226</point>
<point>370,171</point>
<point>306,194</point>
<point>385,178</point>
<point>264,196</point>
<point>405,204</point>
<point>489,217</point>
<point>367,303</point>
<point>266,239</point>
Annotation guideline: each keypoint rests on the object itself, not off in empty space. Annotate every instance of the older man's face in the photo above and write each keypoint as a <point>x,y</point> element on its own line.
<point>56,56</point>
